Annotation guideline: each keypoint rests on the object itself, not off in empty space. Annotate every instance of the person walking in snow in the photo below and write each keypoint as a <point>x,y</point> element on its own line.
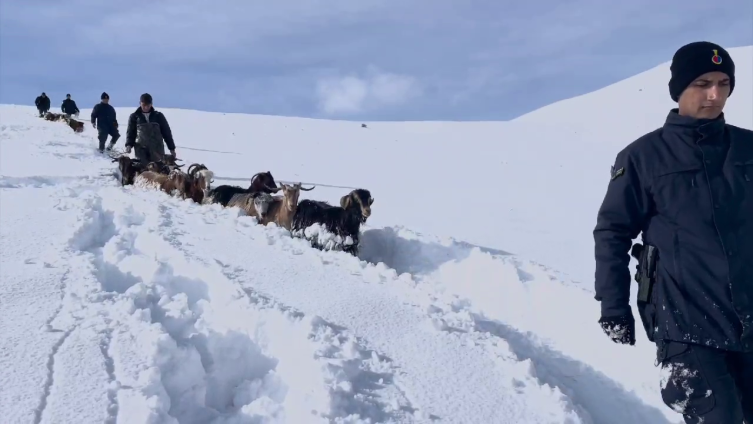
<point>688,188</point>
<point>148,132</point>
<point>43,104</point>
<point>69,106</point>
<point>104,119</point>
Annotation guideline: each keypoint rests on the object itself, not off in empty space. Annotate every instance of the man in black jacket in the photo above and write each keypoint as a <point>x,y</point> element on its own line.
<point>147,131</point>
<point>688,188</point>
<point>104,119</point>
<point>43,104</point>
<point>69,106</point>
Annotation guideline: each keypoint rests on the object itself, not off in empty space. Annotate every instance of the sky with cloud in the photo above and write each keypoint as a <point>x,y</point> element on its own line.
<point>346,59</point>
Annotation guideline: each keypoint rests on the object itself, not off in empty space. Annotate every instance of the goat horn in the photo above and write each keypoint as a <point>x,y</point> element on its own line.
<point>308,189</point>
<point>179,166</point>
<point>273,189</point>
<point>191,168</point>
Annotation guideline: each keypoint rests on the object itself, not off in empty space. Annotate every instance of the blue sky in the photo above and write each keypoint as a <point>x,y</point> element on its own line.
<point>347,59</point>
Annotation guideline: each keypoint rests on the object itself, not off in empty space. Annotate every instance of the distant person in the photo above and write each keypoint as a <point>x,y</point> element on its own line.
<point>104,119</point>
<point>688,187</point>
<point>43,104</point>
<point>147,131</point>
<point>69,106</point>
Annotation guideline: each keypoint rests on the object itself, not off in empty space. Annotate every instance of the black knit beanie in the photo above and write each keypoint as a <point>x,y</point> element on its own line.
<point>146,99</point>
<point>104,96</point>
<point>695,59</point>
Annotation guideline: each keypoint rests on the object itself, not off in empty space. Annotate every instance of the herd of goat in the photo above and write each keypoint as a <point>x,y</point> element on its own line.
<point>75,124</point>
<point>343,222</point>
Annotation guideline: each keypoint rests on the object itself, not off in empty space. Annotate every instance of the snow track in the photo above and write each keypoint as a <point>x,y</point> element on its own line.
<point>369,301</point>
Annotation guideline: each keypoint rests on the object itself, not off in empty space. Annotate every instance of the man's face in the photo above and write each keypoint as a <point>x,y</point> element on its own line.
<point>145,106</point>
<point>705,97</point>
<point>106,100</point>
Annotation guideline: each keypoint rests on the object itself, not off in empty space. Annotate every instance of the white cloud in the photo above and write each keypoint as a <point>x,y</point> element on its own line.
<point>351,94</point>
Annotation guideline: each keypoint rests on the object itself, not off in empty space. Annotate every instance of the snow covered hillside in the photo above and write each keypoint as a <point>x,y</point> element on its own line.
<point>125,305</point>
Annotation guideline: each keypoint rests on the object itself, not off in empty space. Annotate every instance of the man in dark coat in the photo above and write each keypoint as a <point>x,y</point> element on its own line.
<point>104,119</point>
<point>69,106</point>
<point>147,131</point>
<point>688,188</point>
<point>43,104</point>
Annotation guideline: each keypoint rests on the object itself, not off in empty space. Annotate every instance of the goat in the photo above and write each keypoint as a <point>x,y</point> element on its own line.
<point>165,166</point>
<point>197,184</point>
<point>76,126</point>
<point>282,208</point>
<point>254,204</point>
<point>129,168</point>
<point>360,198</point>
<point>342,221</point>
<point>205,177</point>
<point>263,182</point>
<point>51,116</point>
<point>175,184</point>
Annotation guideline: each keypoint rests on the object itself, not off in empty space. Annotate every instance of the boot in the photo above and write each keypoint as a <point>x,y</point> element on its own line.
<point>110,146</point>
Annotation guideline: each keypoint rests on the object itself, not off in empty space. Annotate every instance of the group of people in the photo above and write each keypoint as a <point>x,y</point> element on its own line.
<point>147,133</point>
<point>68,106</point>
<point>687,187</point>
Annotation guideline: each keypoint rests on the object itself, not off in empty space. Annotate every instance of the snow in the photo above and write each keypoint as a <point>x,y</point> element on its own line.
<point>125,305</point>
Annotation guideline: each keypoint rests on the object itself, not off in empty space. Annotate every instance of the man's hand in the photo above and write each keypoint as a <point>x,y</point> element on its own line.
<point>128,149</point>
<point>620,329</point>
<point>172,152</point>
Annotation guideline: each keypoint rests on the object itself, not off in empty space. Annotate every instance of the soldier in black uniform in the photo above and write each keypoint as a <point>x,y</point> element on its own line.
<point>688,188</point>
<point>69,106</point>
<point>43,104</point>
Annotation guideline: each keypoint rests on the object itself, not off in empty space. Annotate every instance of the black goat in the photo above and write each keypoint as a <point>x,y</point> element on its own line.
<point>128,168</point>
<point>342,221</point>
<point>263,182</point>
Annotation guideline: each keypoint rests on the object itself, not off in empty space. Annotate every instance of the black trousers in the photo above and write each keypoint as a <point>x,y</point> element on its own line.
<point>104,132</point>
<point>706,385</point>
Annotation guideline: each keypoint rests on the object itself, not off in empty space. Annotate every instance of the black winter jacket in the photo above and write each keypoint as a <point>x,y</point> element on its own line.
<point>104,116</point>
<point>688,187</point>
<point>42,102</point>
<point>69,107</point>
<point>137,118</point>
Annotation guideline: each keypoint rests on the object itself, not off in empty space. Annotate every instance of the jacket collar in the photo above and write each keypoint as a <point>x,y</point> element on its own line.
<point>693,128</point>
<point>141,112</point>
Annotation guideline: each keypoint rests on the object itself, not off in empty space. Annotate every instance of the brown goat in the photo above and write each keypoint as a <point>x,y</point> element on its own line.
<point>360,198</point>
<point>282,208</point>
<point>51,116</point>
<point>76,125</point>
<point>197,185</point>
<point>175,184</point>
<point>203,176</point>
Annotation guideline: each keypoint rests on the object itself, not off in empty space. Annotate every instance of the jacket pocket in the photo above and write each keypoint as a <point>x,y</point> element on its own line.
<point>676,190</point>
<point>684,386</point>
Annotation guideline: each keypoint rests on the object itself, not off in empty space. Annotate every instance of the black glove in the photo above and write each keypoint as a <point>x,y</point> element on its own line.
<point>620,329</point>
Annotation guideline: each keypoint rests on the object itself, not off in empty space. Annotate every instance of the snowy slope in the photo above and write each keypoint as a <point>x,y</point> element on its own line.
<point>126,304</point>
